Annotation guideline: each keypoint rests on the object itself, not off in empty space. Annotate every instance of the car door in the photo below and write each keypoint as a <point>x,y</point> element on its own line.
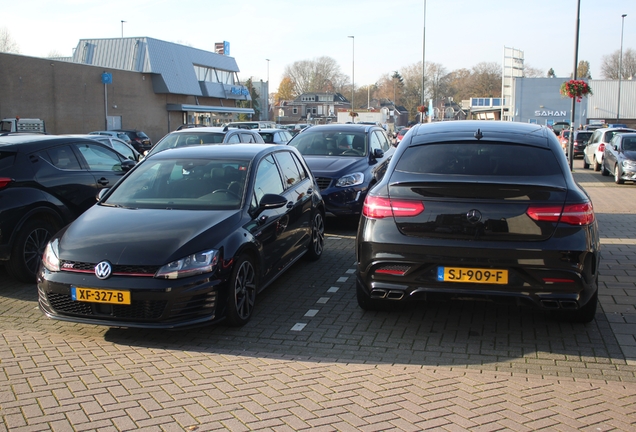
<point>60,174</point>
<point>102,162</point>
<point>270,224</point>
<point>612,152</point>
<point>378,140</point>
<point>298,191</point>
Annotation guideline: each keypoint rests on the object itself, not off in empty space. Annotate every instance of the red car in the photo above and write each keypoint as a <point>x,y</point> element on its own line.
<point>400,135</point>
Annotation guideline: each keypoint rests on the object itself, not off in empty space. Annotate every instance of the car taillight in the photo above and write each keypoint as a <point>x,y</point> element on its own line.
<point>572,214</point>
<point>601,147</point>
<point>4,181</point>
<point>379,208</point>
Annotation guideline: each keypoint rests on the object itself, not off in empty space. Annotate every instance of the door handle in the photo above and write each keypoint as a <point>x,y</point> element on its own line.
<point>103,181</point>
<point>310,191</point>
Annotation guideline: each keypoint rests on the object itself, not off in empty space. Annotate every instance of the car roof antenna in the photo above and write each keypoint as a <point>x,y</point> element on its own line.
<point>478,134</point>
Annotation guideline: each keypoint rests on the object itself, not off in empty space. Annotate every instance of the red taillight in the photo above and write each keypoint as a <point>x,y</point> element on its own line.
<point>379,208</point>
<point>601,147</point>
<point>572,214</point>
<point>4,181</point>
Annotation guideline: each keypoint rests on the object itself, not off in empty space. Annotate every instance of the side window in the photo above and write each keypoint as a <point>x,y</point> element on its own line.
<point>123,149</point>
<point>291,176</point>
<point>375,142</point>
<point>595,137</point>
<point>384,142</point>
<point>99,158</point>
<point>247,138</point>
<point>267,179</point>
<point>234,139</point>
<point>301,168</point>
<point>61,157</point>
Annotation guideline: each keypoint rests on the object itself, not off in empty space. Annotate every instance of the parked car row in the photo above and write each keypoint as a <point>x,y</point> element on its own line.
<point>192,233</point>
<point>595,149</point>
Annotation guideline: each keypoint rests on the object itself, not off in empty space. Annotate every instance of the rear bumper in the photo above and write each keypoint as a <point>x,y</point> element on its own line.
<point>559,273</point>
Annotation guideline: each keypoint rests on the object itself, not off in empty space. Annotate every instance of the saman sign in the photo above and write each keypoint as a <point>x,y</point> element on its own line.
<point>550,113</point>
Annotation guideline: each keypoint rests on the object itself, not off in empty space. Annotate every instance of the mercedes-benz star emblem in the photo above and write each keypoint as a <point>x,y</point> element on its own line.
<point>473,216</point>
<point>103,270</point>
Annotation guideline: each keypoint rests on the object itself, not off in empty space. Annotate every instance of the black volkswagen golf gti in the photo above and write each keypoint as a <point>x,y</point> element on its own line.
<point>189,236</point>
<point>481,210</point>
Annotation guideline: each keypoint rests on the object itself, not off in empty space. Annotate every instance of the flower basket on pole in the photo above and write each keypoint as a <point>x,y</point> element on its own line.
<point>423,110</point>
<point>575,89</point>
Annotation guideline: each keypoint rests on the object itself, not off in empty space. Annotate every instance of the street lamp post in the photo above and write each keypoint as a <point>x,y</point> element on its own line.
<point>620,69</point>
<point>353,73</point>
<point>267,93</point>
<point>576,61</point>
<point>122,28</point>
<point>423,61</point>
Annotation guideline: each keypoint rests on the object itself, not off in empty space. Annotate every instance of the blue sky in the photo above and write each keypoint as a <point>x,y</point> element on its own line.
<point>388,34</point>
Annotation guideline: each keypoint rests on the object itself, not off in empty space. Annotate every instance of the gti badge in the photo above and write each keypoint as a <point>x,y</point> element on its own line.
<point>103,270</point>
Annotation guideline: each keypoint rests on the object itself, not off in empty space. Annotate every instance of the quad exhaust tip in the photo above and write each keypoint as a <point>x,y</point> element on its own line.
<point>387,294</point>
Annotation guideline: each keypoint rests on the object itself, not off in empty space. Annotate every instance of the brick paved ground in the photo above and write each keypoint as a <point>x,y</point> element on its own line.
<point>311,359</point>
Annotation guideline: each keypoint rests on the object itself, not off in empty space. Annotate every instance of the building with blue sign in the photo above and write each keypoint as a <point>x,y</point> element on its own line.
<point>138,82</point>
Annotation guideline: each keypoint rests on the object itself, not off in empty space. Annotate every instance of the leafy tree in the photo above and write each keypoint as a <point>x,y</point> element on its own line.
<point>285,90</point>
<point>250,104</point>
<point>551,73</point>
<point>583,70</point>
<point>610,64</point>
<point>7,44</point>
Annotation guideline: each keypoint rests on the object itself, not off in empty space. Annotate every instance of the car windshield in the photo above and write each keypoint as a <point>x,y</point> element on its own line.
<point>629,144</point>
<point>483,159</point>
<point>185,139</point>
<point>185,184</point>
<point>330,143</point>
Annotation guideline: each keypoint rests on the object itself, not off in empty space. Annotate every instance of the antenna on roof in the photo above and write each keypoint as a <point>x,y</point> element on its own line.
<point>478,134</point>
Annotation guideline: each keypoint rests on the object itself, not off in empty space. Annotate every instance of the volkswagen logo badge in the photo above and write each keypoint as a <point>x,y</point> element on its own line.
<point>473,216</point>
<point>103,270</point>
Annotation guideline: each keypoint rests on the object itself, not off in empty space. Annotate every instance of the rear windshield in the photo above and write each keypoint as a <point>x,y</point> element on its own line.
<point>479,159</point>
<point>185,139</point>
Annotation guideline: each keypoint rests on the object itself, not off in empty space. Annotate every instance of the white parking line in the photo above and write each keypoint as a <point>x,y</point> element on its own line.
<point>342,279</point>
<point>323,300</point>
<point>311,313</point>
<point>351,271</point>
<point>298,326</point>
<point>330,290</point>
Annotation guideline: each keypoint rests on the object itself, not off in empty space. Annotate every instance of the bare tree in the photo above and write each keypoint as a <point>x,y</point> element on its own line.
<point>531,72</point>
<point>486,79</point>
<point>7,44</point>
<point>319,75</point>
<point>609,66</point>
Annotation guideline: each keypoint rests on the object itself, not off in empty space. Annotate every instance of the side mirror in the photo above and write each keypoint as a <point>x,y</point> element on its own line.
<point>270,201</point>
<point>378,153</point>
<point>128,164</point>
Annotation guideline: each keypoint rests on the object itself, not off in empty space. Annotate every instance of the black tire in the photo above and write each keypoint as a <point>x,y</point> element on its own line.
<point>317,242</point>
<point>604,171</point>
<point>243,285</point>
<point>617,175</point>
<point>597,166</point>
<point>28,248</point>
<point>366,302</point>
